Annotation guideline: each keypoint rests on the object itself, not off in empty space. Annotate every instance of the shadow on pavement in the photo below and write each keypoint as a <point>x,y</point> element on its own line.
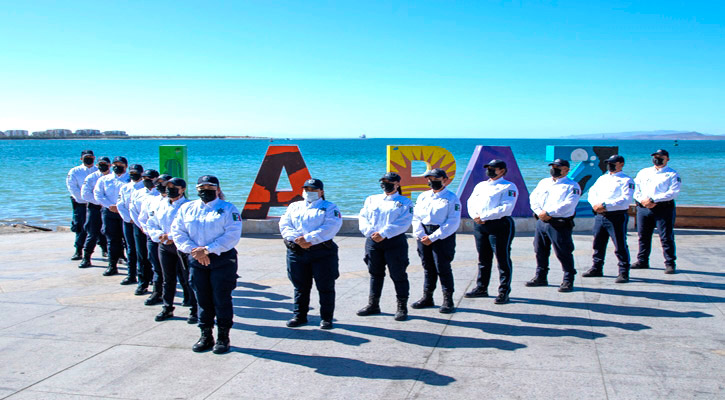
<point>561,320</point>
<point>634,311</point>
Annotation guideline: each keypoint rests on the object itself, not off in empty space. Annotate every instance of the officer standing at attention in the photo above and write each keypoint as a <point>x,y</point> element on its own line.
<point>436,218</point>
<point>554,204</point>
<point>491,205</point>
<point>148,209</point>
<point>308,227</point>
<point>123,204</point>
<point>655,191</point>
<point>74,183</point>
<point>610,197</point>
<point>144,270</point>
<point>173,262</point>
<point>94,222</point>
<point>383,220</point>
<point>208,229</point>
<point>106,193</point>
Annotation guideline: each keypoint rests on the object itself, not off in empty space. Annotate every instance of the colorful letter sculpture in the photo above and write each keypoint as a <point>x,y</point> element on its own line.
<point>475,173</point>
<point>400,161</point>
<point>173,161</point>
<point>264,192</point>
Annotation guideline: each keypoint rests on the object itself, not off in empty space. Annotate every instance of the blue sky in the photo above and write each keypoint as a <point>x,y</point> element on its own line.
<point>387,69</point>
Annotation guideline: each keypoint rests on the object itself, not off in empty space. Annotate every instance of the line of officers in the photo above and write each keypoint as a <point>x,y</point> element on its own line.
<point>195,240</point>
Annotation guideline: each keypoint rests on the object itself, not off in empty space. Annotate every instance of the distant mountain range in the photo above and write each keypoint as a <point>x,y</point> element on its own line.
<point>649,135</point>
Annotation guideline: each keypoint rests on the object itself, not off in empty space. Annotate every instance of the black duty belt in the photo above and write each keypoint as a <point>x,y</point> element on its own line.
<point>618,212</point>
<point>429,229</point>
<point>297,248</point>
<point>668,203</point>
<point>94,206</point>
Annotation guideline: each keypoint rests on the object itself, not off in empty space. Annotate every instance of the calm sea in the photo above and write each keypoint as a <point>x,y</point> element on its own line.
<point>34,170</point>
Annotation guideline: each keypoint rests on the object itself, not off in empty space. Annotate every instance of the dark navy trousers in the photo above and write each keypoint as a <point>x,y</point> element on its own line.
<point>173,264</point>
<point>213,286</point>
<point>113,225</point>
<point>93,228</point>
<point>78,223</point>
<point>495,237</point>
<point>392,252</point>
<point>320,264</point>
<point>611,224</point>
<point>143,265</point>
<point>661,216</point>
<point>130,248</point>
<point>560,237</point>
<point>153,253</point>
<point>436,259</point>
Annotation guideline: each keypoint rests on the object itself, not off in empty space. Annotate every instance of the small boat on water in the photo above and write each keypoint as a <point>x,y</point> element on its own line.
<point>363,136</point>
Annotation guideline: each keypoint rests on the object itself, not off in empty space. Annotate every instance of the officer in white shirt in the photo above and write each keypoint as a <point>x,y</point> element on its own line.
<point>74,183</point>
<point>173,262</point>
<point>655,191</point>
<point>383,220</point>
<point>436,218</point>
<point>94,222</point>
<point>207,230</point>
<point>144,270</point>
<point>123,204</point>
<point>554,204</point>
<point>491,205</point>
<point>610,197</point>
<point>106,193</point>
<point>148,207</point>
<point>308,227</point>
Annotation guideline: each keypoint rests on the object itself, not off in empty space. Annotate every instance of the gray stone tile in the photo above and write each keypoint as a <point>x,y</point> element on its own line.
<point>636,387</point>
<point>16,313</point>
<point>36,395</point>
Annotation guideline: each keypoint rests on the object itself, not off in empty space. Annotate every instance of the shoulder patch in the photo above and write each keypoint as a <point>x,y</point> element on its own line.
<point>512,193</point>
<point>236,217</point>
<point>576,191</point>
<point>410,209</point>
<point>630,185</point>
<point>457,207</point>
<point>337,214</point>
<point>679,179</point>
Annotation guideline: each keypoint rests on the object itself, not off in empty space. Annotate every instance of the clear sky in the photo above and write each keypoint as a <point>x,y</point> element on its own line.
<point>343,68</point>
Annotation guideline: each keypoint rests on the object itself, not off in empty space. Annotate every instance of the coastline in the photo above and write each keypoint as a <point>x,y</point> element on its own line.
<point>133,137</point>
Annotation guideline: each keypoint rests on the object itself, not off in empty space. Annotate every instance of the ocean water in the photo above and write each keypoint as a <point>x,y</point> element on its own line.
<point>34,170</point>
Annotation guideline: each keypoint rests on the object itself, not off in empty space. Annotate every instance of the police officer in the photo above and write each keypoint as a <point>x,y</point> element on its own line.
<point>436,218</point>
<point>308,227</point>
<point>148,209</point>
<point>655,191</point>
<point>383,220</point>
<point>610,197</point>
<point>74,183</point>
<point>491,205</point>
<point>123,205</point>
<point>208,229</point>
<point>94,222</point>
<point>173,262</point>
<point>554,204</point>
<point>106,193</point>
<point>144,270</point>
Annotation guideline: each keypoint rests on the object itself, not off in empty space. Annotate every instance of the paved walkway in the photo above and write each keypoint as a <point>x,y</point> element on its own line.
<point>69,333</point>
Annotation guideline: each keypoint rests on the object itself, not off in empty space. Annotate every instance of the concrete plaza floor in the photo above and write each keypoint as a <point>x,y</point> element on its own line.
<point>69,333</point>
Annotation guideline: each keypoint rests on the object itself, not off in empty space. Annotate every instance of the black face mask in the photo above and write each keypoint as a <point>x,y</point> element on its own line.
<point>207,195</point>
<point>491,172</point>
<point>612,167</point>
<point>555,172</point>
<point>388,187</point>
<point>88,161</point>
<point>135,176</point>
<point>435,185</point>
<point>103,167</point>
<point>161,188</point>
<point>119,169</point>
<point>658,161</point>
<point>148,184</point>
<point>172,193</point>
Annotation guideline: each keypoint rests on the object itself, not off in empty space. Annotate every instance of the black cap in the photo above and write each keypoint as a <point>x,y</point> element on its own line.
<point>120,159</point>
<point>178,182</point>
<point>559,163</point>
<point>165,177</point>
<point>615,159</point>
<point>391,177</point>
<point>86,153</point>
<point>495,164</point>
<point>436,173</point>
<point>207,180</point>
<point>314,183</point>
<point>104,159</point>
<point>136,168</point>
<point>150,173</point>
<point>661,152</point>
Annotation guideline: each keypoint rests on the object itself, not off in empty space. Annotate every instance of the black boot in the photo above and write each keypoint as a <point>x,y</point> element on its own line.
<point>206,341</point>
<point>78,255</point>
<point>193,318</point>
<point>372,308</point>
<point>111,270</point>
<point>425,302</point>
<point>297,320</point>
<point>129,280</point>
<point>166,313</point>
<point>402,313</point>
<point>86,261</point>
<point>447,307</point>
<point>537,281</point>
<point>154,299</point>
<point>478,291</point>
<point>222,341</point>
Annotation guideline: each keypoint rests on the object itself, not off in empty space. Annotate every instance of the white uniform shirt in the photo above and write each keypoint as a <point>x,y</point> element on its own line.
<point>318,221</point>
<point>160,222</point>
<point>74,181</point>
<point>108,187</point>
<point>149,205</point>
<point>558,198</point>
<point>124,199</point>
<point>390,216</point>
<point>493,199</point>
<point>216,225</point>
<point>89,185</point>
<point>138,198</point>
<point>613,190</point>
<point>442,209</point>
<point>657,184</point>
